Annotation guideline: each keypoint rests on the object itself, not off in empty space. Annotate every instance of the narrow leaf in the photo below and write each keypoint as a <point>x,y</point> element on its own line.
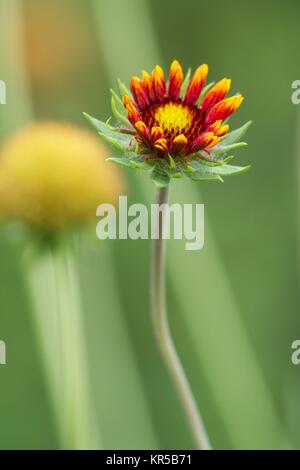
<point>123,88</point>
<point>229,170</point>
<point>120,161</point>
<point>225,148</point>
<point>118,109</point>
<point>236,134</point>
<point>117,139</point>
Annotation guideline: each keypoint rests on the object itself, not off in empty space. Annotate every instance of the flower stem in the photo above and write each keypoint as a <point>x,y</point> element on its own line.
<point>57,317</point>
<point>163,334</point>
<point>78,427</point>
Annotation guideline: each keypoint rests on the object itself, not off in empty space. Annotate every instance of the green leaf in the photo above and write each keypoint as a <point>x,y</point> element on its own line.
<point>118,109</point>
<point>130,160</point>
<point>209,161</point>
<point>160,176</point>
<point>123,88</point>
<point>137,165</point>
<point>236,134</point>
<point>117,139</point>
<point>120,161</point>
<point>228,159</point>
<point>228,170</point>
<point>225,148</point>
<point>202,171</point>
<point>197,176</point>
<point>185,83</point>
<point>119,102</point>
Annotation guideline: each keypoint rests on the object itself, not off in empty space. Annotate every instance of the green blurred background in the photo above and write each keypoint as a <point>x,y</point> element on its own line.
<point>234,306</point>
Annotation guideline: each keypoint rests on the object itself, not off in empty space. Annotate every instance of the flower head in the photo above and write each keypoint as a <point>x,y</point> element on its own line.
<point>167,123</point>
<point>176,123</point>
<point>54,175</point>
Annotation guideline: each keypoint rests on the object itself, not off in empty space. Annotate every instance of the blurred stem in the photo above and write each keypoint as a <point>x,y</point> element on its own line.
<point>163,334</point>
<point>56,300</point>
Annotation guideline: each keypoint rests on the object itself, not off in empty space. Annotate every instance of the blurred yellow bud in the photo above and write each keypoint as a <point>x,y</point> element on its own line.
<point>54,175</point>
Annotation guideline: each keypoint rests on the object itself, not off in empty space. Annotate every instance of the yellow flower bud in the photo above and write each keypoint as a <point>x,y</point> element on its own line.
<point>54,175</point>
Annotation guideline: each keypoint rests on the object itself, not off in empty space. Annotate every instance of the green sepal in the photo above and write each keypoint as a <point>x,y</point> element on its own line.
<point>228,159</point>
<point>228,170</point>
<point>226,148</point>
<point>123,88</point>
<point>172,162</point>
<point>117,139</point>
<point>177,175</point>
<point>229,142</point>
<point>201,171</point>
<point>118,109</point>
<point>160,176</point>
<point>216,161</point>
<point>130,160</point>
<point>206,176</point>
<point>120,161</point>
<point>235,135</point>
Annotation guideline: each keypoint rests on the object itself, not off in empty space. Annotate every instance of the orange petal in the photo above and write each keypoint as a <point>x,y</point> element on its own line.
<point>196,84</point>
<point>204,139</point>
<point>139,95</point>
<point>148,86</point>
<point>132,112</point>
<point>218,129</point>
<point>176,79</point>
<point>223,109</point>
<point>223,130</point>
<point>178,144</point>
<point>215,126</point>
<point>142,130</point>
<point>214,141</point>
<point>216,94</point>
<point>162,145</point>
<point>156,133</point>
<point>159,82</point>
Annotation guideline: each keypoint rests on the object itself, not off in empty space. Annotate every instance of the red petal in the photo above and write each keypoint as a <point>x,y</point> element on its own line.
<point>176,79</point>
<point>132,112</point>
<point>148,86</point>
<point>178,144</point>
<point>223,109</point>
<point>205,139</point>
<point>138,92</point>
<point>216,94</point>
<point>196,84</point>
<point>159,82</point>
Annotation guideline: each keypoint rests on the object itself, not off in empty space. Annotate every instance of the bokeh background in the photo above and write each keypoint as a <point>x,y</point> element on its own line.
<point>234,306</point>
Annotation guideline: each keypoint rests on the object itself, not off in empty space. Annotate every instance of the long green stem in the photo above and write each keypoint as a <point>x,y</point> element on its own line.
<point>57,315</point>
<point>78,426</point>
<point>163,334</point>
